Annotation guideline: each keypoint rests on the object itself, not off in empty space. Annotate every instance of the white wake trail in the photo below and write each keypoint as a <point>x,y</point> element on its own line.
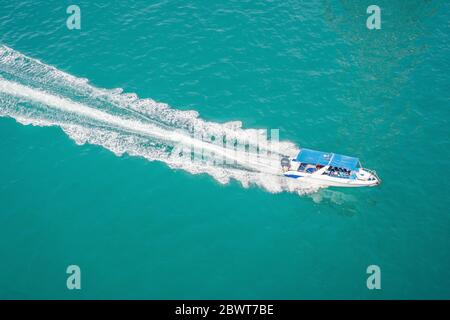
<point>34,93</point>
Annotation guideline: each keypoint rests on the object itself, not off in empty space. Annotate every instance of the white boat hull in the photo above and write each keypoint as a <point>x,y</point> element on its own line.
<point>370,180</point>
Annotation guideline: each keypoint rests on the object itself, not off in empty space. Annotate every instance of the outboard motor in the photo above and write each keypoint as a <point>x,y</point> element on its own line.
<point>285,163</point>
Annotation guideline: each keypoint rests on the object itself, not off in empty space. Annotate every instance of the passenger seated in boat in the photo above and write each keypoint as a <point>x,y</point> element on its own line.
<point>334,172</point>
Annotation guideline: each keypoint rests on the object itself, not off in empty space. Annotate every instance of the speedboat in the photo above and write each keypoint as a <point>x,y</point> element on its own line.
<point>328,169</point>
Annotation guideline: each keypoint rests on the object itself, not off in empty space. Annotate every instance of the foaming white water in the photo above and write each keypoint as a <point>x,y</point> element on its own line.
<point>34,93</point>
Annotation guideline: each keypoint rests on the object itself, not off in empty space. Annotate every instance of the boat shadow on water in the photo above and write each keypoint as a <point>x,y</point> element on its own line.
<point>341,203</point>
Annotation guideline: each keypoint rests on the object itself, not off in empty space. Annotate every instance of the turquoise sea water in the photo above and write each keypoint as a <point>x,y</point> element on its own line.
<point>141,229</point>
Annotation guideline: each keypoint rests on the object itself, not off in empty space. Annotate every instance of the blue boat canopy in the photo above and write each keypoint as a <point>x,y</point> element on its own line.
<point>326,158</point>
<point>314,157</point>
